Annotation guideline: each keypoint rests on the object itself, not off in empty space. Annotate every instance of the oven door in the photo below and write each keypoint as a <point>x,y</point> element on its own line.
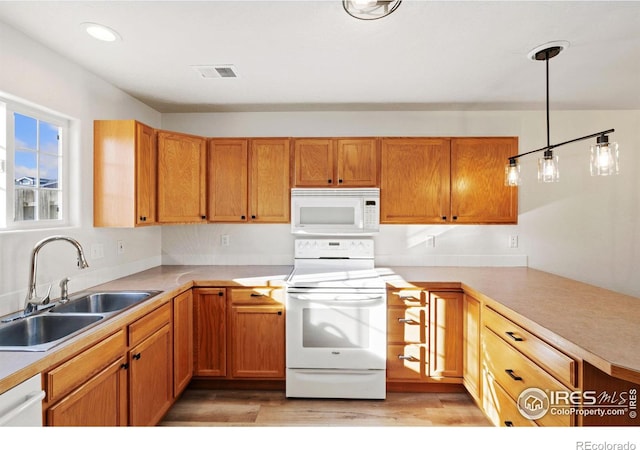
<point>343,330</point>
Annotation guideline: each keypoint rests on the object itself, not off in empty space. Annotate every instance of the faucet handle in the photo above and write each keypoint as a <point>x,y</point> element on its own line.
<point>64,290</point>
<point>45,300</point>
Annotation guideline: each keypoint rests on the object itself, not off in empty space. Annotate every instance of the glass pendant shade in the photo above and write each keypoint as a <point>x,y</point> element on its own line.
<point>604,157</point>
<point>512,174</point>
<point>548,168</point>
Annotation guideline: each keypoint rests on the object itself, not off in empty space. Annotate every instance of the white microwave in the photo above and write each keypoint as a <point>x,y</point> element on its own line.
<point>335,212</point>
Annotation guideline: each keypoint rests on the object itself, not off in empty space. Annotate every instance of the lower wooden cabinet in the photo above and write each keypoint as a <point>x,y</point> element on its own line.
<point>239,333</point>
<point>151,378</point>
<point>124,379</point>
<point>445,334</point>
<point>100,401</point>
<point>182,341</point>
<point>210,332</point>
<point>471,308</point>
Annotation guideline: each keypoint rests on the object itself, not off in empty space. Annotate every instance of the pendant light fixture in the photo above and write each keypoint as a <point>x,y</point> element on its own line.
<point>604,155</point>
<point>370,9</point>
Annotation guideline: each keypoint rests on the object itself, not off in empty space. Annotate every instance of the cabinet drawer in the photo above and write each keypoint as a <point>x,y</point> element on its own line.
<point>80,368</point>
<point>555,362</point>
<point>407,325</point>
<point>257,296</point>
<point>407,362</point>
<point>406,297</point>
<point>501,409</point>
<point>515,373</point>
<point>149,324</point>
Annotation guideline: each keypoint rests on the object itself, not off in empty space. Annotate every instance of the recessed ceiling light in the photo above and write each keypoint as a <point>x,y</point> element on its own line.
<point>101,32</point>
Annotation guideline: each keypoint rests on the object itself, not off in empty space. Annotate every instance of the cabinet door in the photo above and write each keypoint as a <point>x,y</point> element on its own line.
<point>446,337</point>
<point>151,378</point>
<point>210,338</point>
<point>478,193</point>
<point>269,181</point>
<point>182,341</point>
<point>357,161</point>
<point>257,341</point>
<point>100,401</point>
<point>314,165</point>
<point>227,167</point>
<point>181,178</point>
<point>471,346</point>
<point>146,173</point>
<point>415,180</point>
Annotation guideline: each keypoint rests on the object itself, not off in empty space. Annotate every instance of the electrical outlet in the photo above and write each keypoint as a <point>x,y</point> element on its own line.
<point>97,251</point>
<point>120,247</point>
<point>225,240</point>
<point>513,241</point>
<point>431,240</point>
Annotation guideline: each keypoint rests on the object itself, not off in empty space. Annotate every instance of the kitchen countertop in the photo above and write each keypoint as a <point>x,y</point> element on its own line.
<point>595,324</point>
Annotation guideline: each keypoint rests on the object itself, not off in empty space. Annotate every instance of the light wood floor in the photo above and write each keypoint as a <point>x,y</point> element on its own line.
<point>209,408</point>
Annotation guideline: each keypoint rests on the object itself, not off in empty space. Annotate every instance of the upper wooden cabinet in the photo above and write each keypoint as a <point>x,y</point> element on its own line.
<point>447,180</point>
<point>415,184</point>
<point>249,180</point>
<point>336,162</point>
<point>182,178</point>
<point>478,193</point>
<point>124,174</point>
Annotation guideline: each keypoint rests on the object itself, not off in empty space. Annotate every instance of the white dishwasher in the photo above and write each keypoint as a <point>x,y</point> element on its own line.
<point>21,406</point>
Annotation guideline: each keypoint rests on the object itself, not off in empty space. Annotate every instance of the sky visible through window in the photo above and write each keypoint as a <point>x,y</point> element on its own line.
<point>37,151</point>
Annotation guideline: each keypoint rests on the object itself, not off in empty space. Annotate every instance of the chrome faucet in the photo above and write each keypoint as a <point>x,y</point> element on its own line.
<point>33,301</point>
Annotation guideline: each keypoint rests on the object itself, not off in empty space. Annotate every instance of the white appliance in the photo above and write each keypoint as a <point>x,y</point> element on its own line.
<point>337,212</point>
<point>21,406</point>
<point>336,324</point>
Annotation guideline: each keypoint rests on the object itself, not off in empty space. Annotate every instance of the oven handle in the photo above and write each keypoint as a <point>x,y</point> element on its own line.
<point>365,300</point>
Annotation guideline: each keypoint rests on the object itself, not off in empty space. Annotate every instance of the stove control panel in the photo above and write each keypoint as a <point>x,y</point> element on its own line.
<point>334,248</point>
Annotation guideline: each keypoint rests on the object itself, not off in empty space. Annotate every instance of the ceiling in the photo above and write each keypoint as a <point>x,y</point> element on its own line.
<point>311,55</point>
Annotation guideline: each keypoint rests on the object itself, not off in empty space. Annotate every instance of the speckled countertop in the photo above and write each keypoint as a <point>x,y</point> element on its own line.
<point>597,325</point>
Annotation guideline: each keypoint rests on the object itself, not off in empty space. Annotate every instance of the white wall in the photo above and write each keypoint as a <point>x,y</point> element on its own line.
<point>35,74</point>
<point>584,228</point>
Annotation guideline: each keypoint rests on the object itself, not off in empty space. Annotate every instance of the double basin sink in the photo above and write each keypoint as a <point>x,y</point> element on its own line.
<point>44,330</point>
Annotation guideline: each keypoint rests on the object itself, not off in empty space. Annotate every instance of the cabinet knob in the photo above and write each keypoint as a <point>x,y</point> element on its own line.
<point>508,423</point>
<point>253,216</point>
<point>279,313</point>
<point>455,217</point>
<point>329,181</point>
<point>220,294</point>
<point>339,180</point>
<point>444,217</point>
<point>137,356</point>
<point>124,366</point>
<point>243,217</point>
<point>203,217</point>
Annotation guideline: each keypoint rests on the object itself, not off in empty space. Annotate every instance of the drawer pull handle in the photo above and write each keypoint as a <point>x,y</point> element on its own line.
<point>513,336</point>
<point>406,358</point>
<point>403,320</point>
<point>508,423</point>
<point>512,375</point>
<point>257,294</point>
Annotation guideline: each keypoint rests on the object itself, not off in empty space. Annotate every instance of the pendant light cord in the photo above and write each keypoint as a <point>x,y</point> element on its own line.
<point>547,65</point>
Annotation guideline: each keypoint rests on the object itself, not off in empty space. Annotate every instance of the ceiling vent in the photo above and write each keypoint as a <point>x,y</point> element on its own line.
<point>217,71</point>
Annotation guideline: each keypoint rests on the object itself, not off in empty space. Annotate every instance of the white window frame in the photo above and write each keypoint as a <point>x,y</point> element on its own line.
<point>7,158</point>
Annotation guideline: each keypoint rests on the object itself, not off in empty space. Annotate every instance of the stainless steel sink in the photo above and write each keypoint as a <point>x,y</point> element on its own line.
<point>102,302</point>
<point>43,331</point>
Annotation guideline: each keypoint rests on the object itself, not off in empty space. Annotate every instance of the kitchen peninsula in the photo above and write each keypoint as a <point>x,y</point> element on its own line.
<point>592,327</point>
